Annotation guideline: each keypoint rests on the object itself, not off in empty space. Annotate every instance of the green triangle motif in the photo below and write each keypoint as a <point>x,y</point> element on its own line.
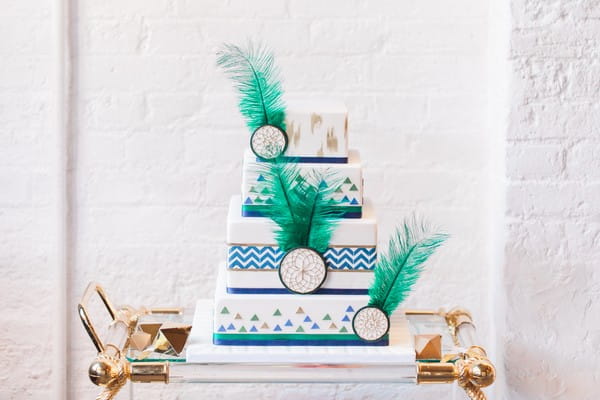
<point>254,318</point>
<point>242,329</point>
<point>353,188</point>
<point>277,313</point>
<point>264,191</point>
<point>269,201</point>
<point>300,329</point>
<point>347,180</point>
<point>343,330</point>
<point>339,190</point>
<point>326,317</point>
<point>258,200</point>
<point>224,310</point>
<point>252,190</point>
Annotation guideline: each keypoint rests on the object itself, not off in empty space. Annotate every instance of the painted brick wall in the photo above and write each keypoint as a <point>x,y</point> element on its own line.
<point>158,143</point>
<point>27,248</point>
<point>553,197</point>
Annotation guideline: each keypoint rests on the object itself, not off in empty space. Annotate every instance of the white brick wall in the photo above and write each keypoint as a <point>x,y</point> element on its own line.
<point>27,250</point>
<point>551,275</point>
<point>156,152</point>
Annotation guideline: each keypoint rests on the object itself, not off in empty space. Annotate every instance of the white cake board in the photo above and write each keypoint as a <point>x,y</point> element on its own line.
<point>200,348</point>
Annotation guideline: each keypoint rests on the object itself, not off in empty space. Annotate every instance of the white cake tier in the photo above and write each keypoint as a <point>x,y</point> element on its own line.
<point>251,242</point>
<point>358,232</point>
<point>200,348</point>
<point>286,319</point>
<point>348,196</point>
<point>253,256</point>
<point>267,282</point>
<point>317,130</point>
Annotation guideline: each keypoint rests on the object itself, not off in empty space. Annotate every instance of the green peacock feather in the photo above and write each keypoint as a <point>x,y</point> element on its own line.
<point>398,270</point>
<point>256,78</point>
<point>300,206</point>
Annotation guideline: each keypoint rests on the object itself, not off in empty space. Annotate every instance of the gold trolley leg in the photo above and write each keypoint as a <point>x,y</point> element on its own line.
<point>471,369</point>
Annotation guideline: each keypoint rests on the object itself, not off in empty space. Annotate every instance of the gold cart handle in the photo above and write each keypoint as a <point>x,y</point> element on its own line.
<point>92,288</point>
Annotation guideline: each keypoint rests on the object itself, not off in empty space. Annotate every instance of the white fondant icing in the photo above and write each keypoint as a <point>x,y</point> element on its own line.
<point>259,230</point>
<point>270,279</point>
<point>273,311</point>
<point>350,194</point>
<point>200,348</point>
<point>316,128</point>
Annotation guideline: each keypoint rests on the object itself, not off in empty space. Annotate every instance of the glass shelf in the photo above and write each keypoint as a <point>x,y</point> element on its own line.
<point>252,364</point>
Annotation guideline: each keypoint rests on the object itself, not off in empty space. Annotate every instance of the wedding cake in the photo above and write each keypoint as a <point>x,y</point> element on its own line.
<point>301,266</point>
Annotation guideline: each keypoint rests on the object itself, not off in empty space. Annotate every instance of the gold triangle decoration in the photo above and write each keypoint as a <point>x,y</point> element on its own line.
<point>264,326</point>
<point>176,334</point>
<point>237,316</point>
<point>333,326</point>
<point>150,328</point>
<point>299,310</point>
<point>140,340</point>
<point>428,347</point>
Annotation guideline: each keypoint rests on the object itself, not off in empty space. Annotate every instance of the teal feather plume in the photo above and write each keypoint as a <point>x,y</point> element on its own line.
<point>281,181</point>
<point>300,206</point>
<point>398,270</point>
<point>256,78</point>
<point>323,217</point>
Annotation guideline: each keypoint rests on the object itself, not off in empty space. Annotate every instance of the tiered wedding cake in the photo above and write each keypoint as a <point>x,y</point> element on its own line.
<point>302,265</point>
<point>253,306</point>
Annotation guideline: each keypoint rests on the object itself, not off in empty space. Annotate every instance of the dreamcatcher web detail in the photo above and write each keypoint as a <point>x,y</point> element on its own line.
<point>302,270</point>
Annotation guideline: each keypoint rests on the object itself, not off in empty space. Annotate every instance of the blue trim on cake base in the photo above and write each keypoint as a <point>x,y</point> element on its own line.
<point>298,342</point>
<point>324,291</point>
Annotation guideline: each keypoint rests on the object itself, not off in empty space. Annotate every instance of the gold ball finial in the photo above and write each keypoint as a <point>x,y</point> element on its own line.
<point>481,373</point>
<point>103,372</point>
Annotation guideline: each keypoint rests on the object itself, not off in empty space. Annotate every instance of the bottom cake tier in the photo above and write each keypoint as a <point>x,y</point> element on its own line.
<point>286,319</point>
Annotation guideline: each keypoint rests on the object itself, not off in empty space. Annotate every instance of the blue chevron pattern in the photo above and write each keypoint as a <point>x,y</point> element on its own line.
<point>268,257</point>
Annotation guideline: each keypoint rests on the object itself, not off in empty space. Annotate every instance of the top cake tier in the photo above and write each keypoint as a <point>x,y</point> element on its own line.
<point>317,131</point>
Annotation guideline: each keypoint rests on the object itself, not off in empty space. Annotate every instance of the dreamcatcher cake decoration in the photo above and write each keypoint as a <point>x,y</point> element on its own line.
<point>256,78</point>
<point>395,274</point>
<point>305,218</point>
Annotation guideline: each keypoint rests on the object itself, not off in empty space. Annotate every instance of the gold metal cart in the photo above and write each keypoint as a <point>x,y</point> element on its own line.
<point>460,360</point>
